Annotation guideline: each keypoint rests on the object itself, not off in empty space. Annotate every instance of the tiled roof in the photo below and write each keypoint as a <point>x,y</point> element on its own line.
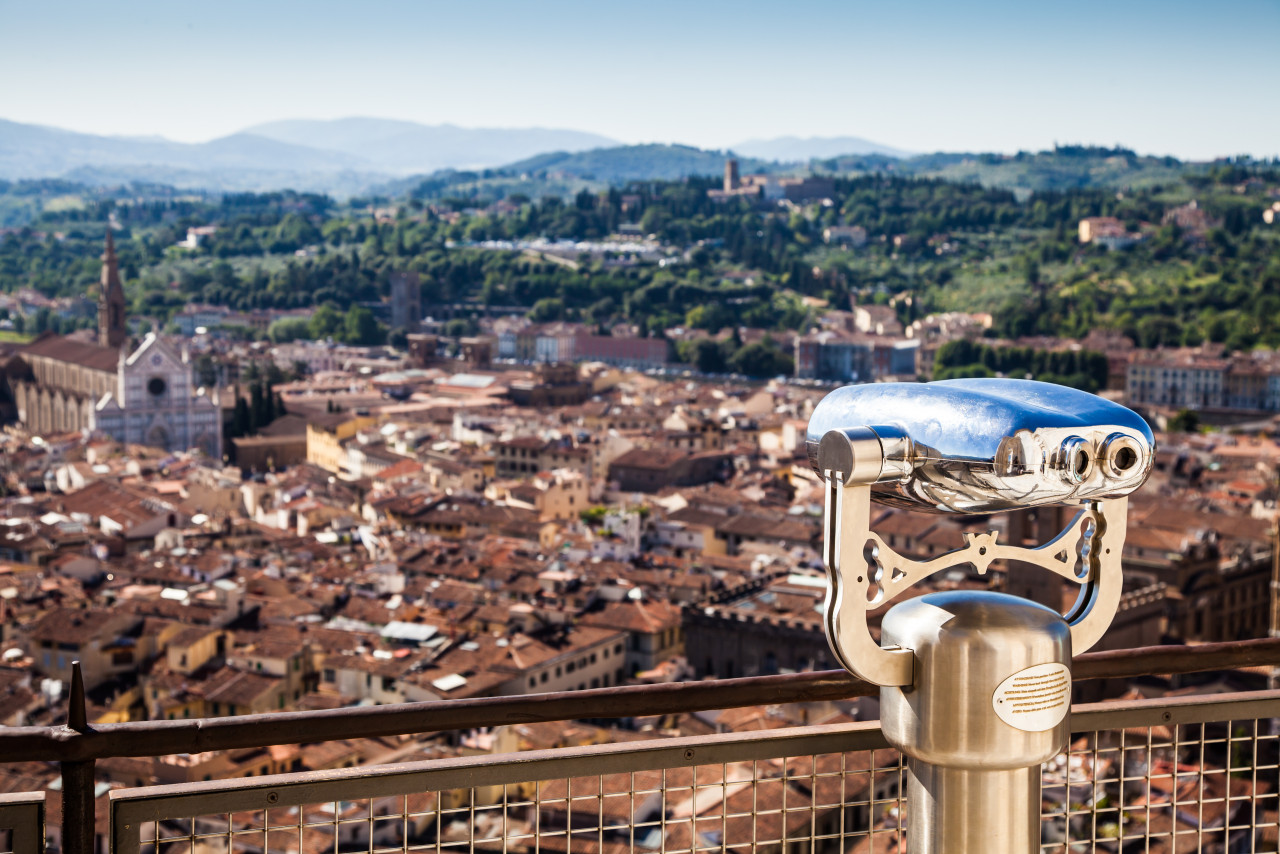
<point>75,352</point>
<point>229,685</point>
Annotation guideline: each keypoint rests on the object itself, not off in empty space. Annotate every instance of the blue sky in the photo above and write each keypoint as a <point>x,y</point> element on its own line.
<point>1192,79</point>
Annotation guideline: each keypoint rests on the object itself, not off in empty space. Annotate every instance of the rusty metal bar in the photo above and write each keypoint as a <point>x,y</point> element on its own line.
<point>156,738</point>
<point>695,771</point>
<point>132,806</point>
<point>78,817</point>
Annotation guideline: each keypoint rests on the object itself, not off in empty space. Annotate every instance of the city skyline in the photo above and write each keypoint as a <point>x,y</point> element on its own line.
<point>1170,78</point>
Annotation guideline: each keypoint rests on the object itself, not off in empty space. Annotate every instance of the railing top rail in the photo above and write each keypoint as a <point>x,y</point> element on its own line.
<point>157,738</point>
<point>14,798</point>
<point>523,766</point>
<point>151,803</point>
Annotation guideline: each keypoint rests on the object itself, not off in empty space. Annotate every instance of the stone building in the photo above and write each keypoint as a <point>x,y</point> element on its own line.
<point>771,624</point>
<point>406,301</point>
<point>63,384</point>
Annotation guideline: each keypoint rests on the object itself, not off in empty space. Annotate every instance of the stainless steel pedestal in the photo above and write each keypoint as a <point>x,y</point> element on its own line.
<point>987,705</point>
<point>957,810</point>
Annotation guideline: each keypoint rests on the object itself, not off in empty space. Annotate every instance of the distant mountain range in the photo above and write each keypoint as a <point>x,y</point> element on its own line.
<point>356,156</point>
<point>793,149</point>
<point>35,151</point>
<point>353,155</point>
<point>398,147</point>
<point>343,156</point>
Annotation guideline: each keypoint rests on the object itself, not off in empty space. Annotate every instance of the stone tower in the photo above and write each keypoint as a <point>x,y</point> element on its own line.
<point>731,180</point>
<point>111,328</point>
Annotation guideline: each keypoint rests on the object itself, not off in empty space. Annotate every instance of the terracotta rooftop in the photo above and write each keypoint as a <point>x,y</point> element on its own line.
<point>66,349</point>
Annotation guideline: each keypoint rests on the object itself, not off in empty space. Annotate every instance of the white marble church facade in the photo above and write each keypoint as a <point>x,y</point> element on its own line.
<point>155,404</point>
<point>62,384</point>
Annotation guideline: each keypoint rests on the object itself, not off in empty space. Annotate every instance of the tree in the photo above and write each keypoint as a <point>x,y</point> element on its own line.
<point>289,329</point>
<point>325,323</point>
<point>240,425</point>
<point>206,371</point>
<point>259,412</point>
<point>545,310</point>
<point>1186,421</point>
<point>361,328</point>
<point>706,354</point>
<point>762,359</point>
<point>460,327</point>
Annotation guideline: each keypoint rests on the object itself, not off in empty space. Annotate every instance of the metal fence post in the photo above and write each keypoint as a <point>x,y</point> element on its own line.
<point>78,816</point>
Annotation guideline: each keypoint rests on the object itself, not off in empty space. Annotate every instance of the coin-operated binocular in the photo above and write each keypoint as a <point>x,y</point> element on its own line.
<point>975,686</point>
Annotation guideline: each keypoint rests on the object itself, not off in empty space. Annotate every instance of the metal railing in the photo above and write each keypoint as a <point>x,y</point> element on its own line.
<point>22,823</point>
<point>441,804</point>
<point>1187,775</point>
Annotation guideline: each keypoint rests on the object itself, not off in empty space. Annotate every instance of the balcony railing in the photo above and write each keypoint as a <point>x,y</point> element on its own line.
<point>1187,774</point>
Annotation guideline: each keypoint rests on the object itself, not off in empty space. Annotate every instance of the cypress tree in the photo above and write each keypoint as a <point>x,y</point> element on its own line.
<point>257,413</point>
<point>240,418</point>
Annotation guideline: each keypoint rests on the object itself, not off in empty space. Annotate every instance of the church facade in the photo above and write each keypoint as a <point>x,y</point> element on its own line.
<point>62,384</point>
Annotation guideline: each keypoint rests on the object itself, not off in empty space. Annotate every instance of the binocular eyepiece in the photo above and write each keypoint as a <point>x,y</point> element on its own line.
<point>979,445</point>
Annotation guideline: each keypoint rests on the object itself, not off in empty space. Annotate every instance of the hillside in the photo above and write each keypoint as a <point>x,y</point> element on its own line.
<point>404,147</point>
<point>651,162</point>
<point>1065,167</point>
<point>356,156</point>
<point>35,151</point>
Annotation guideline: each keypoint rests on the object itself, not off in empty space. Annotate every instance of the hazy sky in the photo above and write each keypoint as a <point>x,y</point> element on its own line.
<point>1194,79</point>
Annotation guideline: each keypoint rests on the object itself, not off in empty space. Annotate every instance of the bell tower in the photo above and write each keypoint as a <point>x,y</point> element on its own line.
<point>111,328</point>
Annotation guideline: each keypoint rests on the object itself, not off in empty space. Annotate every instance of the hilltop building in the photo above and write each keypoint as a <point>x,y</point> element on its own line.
<point>1107,231</point>
<point>63,384</point>
<point>772,188</point>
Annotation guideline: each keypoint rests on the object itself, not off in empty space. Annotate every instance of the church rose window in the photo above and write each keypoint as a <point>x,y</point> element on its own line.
<point>156,386</point>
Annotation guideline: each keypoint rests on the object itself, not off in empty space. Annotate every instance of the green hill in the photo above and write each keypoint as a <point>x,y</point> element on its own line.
<point>652,162</point>
<point>1063,168</point>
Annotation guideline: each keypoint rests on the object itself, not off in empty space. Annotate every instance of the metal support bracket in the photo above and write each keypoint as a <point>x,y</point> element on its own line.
<point>863,572</point>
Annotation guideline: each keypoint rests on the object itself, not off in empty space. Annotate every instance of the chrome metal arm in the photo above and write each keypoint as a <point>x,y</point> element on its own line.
<point>863,572</point>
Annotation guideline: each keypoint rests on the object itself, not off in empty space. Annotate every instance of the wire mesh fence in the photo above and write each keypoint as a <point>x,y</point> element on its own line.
<point>1208,787</point>
<point>1151,777</point>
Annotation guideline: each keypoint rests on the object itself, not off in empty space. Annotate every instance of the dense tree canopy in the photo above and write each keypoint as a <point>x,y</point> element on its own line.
<point>931,245</point>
